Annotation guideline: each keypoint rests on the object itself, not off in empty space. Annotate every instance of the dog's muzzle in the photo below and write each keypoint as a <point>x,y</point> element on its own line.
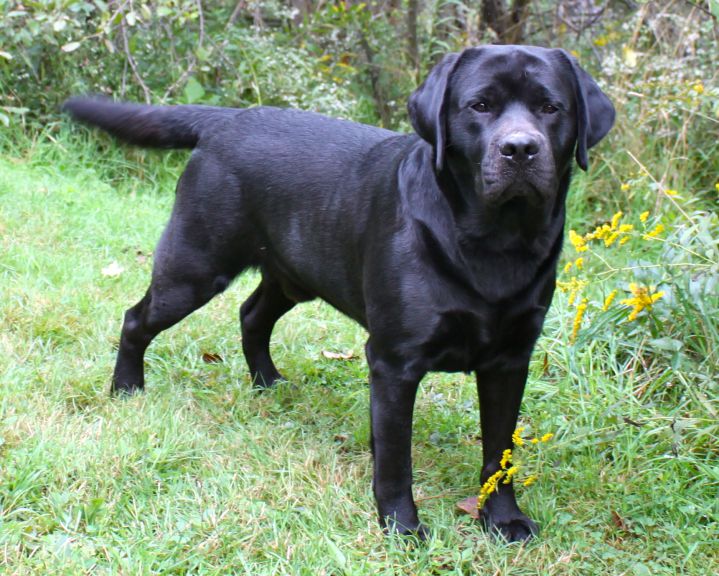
<point>519,165</point>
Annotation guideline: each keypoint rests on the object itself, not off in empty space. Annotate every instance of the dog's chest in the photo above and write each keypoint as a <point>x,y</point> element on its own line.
<point>467,340</point>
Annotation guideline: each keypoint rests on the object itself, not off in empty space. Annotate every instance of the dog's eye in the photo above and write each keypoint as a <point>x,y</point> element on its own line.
<point>549,109</point>
<point>480,106</point>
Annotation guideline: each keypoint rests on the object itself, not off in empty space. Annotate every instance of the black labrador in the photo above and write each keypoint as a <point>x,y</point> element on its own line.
<point>443,244</point>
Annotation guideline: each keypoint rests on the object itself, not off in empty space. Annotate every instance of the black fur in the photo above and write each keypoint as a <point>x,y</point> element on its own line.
<point>443,246</point>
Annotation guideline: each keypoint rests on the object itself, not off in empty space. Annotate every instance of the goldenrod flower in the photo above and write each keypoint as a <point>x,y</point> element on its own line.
<point>530,480</point>
<point>579,263</point>
<point>578,319</point>
<point>670,192</point>
<point>644,215</point>
<point>624,240</point>
<point>658,229</point>
<point>624,187</point>
<point>609,240</point>
<point>641,299</point>
<point>615,219</point>
<point>609,299</point>
<point>698,88</point>
<point>577,241</point>
<point>547,437</point>
<point>574,286</point>
<point>506,458</point>
<point>517,437</point>
<point>534,440</point>
<point>511,472</point>
<point>489,486</point>
<point>568,267</point>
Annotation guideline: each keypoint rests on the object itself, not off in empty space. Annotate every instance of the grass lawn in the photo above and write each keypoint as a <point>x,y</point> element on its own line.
<point>202,475</point>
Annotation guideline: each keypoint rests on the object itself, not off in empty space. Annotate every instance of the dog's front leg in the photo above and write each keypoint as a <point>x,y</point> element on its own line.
<point>500,394</point>
<point>392,393</point>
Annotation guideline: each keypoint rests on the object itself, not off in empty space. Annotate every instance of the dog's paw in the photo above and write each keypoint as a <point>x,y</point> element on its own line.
<point>419,531</point>
<point>124,389</point>
<point>264,380</point>
<point>516,529</point>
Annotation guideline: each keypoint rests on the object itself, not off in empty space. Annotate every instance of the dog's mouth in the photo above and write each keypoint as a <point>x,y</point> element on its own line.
<point>497,194</point>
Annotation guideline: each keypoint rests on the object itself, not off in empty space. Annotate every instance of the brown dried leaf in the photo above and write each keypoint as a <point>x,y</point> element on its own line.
<point>211,358</point>
<point>338,355</point>
<point>469,506</point>
<point>619,522</point>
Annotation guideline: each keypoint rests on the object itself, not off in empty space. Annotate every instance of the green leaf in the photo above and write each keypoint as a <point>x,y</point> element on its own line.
<point>193,90</point>
<point>70,46</point>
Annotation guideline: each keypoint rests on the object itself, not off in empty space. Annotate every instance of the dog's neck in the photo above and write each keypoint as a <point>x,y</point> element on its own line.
<point>516,226</point>
<point>496,259</point>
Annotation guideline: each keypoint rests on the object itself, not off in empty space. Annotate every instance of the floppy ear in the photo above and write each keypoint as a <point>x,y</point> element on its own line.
<point>595,113</point>
<point>427,106</point>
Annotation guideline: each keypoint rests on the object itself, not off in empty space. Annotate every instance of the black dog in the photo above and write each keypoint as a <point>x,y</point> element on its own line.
<point>443,246</point>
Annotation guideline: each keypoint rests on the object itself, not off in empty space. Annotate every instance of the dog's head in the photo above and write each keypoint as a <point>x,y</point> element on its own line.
<point>510,118</point>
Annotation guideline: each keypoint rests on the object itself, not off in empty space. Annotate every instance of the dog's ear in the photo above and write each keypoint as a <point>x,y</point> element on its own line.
<point>427,106</point>
<point>595,112</point>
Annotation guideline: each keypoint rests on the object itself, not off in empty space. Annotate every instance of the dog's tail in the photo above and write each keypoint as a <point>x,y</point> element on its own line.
<point>150,126</point>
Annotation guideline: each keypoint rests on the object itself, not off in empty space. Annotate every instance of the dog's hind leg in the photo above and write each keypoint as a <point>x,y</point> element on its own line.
<point>258,315</point>
<point>183,281</point>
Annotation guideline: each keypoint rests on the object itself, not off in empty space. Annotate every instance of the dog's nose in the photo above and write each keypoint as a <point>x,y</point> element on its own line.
<point>519,146</point>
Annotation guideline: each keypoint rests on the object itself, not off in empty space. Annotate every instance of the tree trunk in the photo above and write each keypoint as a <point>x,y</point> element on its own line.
<point>412,44</point>
<point>508,24</point>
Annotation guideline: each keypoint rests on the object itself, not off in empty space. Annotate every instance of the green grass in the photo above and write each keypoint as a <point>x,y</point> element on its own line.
<point>202,475</point>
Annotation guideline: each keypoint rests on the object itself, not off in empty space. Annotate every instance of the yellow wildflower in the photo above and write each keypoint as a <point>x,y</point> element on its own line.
<point>574,286</point>
<point>609,299</point>
<point>547,437</point>
<point>534,440</point>
<point>644,215</point>
<point>624,187</point>
<point>581,308</point>
<point>670,192</point>
<point>530,480</point>
<point>579,263</point>
<point>600,232</point>
<point>517,437</point>
<point>609,240</point>
<point>698,88</point>
<point>626,228</point>
<point>624,240</point>
<point>642,299</point>
<point>506,458</point>
<point>489,486</point>
<point>580,245</point>
<point>615,219</point>
<point>716,186</point>
<point>658,229</point>
<point>568,267</point>
<point>511,472</point>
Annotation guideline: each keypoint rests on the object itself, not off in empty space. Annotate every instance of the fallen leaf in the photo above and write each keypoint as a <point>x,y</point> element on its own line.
<point>211,358</point>
<point>338,355</point>
<point>113,269</point>
<point>619,522</point>
<point>469,506</point>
